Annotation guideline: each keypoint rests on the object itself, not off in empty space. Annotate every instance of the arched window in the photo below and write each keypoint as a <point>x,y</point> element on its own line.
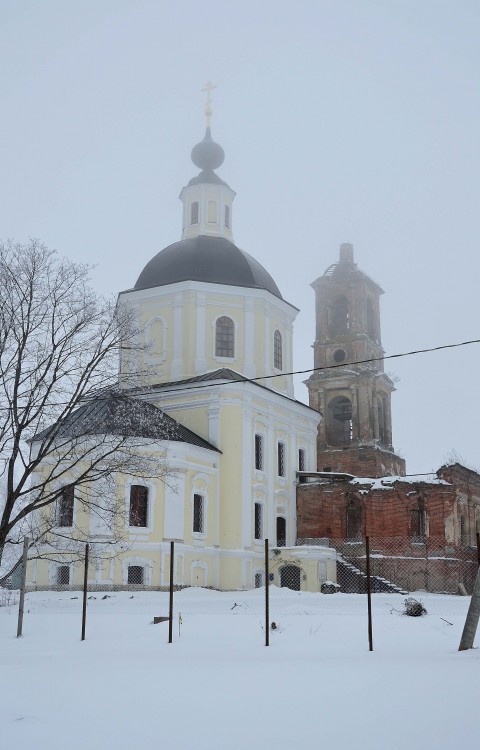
<point>277,350</point>
<point>281,531</point>
<point>290,577</point>
<point>371,321</point>
<point>155,338</point>
<point>65,507</point>
<point>259,452</point>
<point>382,433</point>
<point>258,579</point>
<point>354,520</point>
<point>338,316</point>
<point>339,421</point>
<point>138,515</point>
<point>258,520</point>
<point>198,514</point>
<point>225,337</point>
<point>418,522</point>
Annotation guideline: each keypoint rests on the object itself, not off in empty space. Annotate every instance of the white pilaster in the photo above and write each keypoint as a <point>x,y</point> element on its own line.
<point>201,364</point>
<point>177,362</point>
<point>249,366</point>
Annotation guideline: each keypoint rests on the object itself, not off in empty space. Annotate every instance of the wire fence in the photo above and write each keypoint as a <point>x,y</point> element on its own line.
<point>367,580</point>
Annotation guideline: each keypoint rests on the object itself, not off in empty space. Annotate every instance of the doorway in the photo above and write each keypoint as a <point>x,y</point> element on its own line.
<point>290,577</point>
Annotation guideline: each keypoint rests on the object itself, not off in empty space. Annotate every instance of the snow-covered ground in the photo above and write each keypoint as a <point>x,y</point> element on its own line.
<point>217,687</point>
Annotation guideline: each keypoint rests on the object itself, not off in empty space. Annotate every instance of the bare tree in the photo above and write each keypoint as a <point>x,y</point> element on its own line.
<point>64,423</point>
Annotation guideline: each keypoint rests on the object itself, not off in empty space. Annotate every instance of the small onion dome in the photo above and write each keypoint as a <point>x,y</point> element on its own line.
<point>207,154</point>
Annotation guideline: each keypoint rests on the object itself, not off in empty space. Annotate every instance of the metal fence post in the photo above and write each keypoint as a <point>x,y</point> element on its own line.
<point>170,613</point>
<point>267,597</point>
<point>369,595</point>
<point>21,604</point>
<point>85,582</point>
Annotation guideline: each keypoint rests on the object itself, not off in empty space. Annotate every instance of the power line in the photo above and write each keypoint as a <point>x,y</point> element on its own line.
<point>242,379</point>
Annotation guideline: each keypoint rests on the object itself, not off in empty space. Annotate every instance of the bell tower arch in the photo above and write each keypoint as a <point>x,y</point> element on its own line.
<point>355,434</point>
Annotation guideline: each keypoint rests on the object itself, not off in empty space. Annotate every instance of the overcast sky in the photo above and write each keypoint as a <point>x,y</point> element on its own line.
<point>342,121</point>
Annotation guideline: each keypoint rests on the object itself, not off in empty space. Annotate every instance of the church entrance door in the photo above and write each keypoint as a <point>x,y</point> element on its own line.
<point>290,577</point>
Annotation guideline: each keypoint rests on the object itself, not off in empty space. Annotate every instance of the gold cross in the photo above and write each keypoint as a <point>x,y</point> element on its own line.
<point>208,104</point>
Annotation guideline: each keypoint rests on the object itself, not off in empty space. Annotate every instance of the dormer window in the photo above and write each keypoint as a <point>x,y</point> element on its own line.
<point>227,217</point>
<point>194,213</point>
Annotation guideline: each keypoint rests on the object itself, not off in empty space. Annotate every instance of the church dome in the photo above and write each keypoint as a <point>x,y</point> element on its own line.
<point>207,154</point>
<point>213,260</point>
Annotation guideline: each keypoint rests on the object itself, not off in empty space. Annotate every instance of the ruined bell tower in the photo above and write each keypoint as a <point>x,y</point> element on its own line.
<point>355,435</point>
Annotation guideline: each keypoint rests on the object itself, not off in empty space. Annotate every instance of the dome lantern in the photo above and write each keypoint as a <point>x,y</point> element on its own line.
<point>207,199</point>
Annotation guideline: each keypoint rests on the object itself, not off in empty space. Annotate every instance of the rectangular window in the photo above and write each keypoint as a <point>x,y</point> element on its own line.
<point>63,575</point>
<point>198,512</point>
<point>418,525</point>
<point>259,452</point>
<point>224,337</point>
<point>65,507</point>
<point>138,505</point>
<point>277,350</point>
<point>281,459</point>
<point>135,575</point>
<point>258,521</point>
<point>194,213</point>
<point>258,580</point>
<point>227,217</point>
<point>301,459</point>
<point>463,531</point>
<point>212,212</point>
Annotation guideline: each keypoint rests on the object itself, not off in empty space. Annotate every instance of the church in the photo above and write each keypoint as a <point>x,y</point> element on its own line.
<point>209,390</point>
<point>217,361</point>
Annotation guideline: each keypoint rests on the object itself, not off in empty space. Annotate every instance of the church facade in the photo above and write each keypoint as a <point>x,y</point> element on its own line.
<point>214,354</point>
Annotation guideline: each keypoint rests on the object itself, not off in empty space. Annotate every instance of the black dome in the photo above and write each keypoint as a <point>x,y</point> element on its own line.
<point>207,154</point>
<point>214,260</point>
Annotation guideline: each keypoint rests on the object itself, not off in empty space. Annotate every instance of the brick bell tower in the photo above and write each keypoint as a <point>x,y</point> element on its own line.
<point>355,435</point>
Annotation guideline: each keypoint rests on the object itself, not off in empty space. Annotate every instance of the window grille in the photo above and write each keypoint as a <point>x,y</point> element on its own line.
<point>198,519</point>
<point>281,459</point>
<point>301,459</point>
<point>63,575</point>
<point>135,575</point>
<point>258,521</point>
<point>224,337</point>
<point>277,350</point>
<point>259,452</point>
<point>258,580</point>
<point>418,522</point>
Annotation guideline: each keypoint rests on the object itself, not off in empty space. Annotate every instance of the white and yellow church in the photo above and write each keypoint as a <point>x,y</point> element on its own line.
<point>217,359</point>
